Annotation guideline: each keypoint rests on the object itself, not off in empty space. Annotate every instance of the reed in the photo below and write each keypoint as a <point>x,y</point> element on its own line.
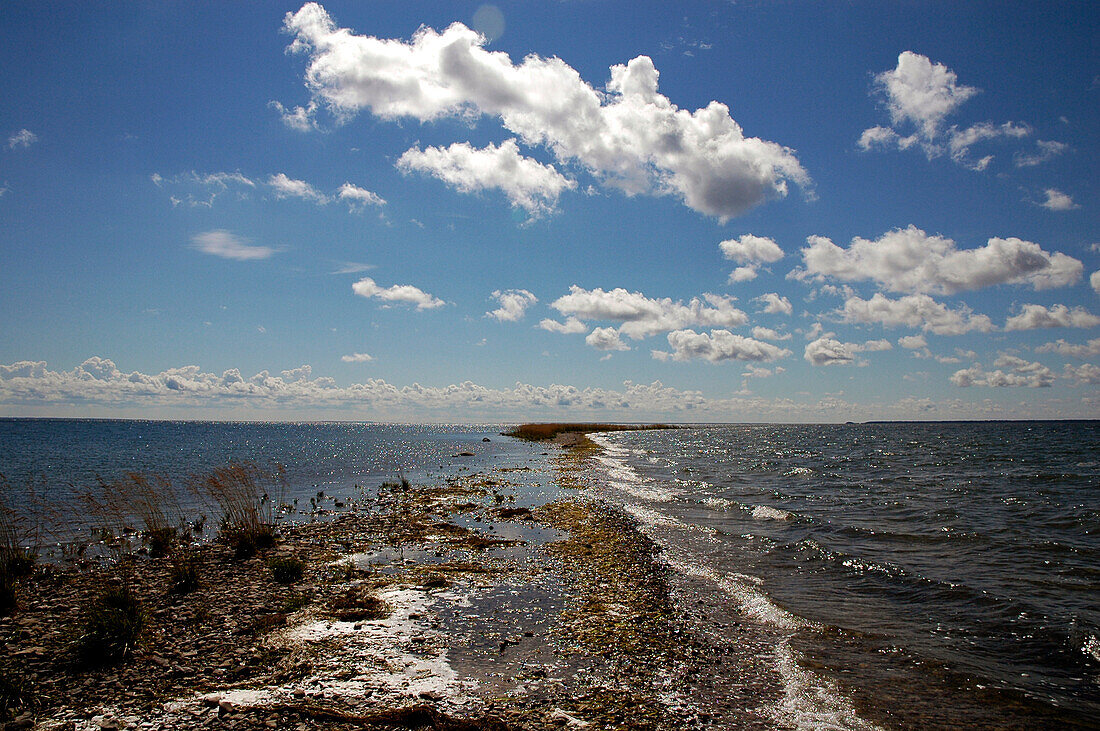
<point>246,495</point>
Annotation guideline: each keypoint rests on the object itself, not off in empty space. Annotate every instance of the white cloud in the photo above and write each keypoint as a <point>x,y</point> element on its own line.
<point>749,249</point>
<point>220,242</point>
<point>22,139</point>
<point>1033,317</point>
<point>917,311</point>
<point>920,95</point>
<point>1047,149</point>
<point>527,183</point>
<point>1057,201</point>
<point>910,260</point>
<point>297,118</point>
<point>642,317</point>
<point>774,304</point>
<point>290,188</point>
<point>366,287</point>
<point>1094,281</point>
<point>571,326</point>
<point>827,350</point>
<point>1019,373</point>
<point>766,333</point>
<point>913,342</point>
<point>1061,347</point>
<point>357,198</point>
<point>99,387</point>
<point>200,189</point>
<point>513,304</point>
<point>631,137</point>
<point>720,345</point>
<point>742,274</point>
<point>1084,374</point>
<point>357,358</point>
<point>606,338</point>
<point>755,371</point>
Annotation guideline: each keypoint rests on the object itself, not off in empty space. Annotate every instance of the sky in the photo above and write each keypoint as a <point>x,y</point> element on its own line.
<point>447,211</point>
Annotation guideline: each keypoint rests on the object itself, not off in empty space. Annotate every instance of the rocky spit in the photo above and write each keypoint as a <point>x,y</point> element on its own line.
<point>447,606</point>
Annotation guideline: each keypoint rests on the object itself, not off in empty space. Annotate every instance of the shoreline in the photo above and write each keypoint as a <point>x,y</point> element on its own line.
<point>452,607</point>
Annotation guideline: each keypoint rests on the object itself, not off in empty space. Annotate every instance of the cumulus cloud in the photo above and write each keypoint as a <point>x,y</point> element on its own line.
<point>357,358</point>
<point>286,187</point>
<point>98,385</point>
<point>717,346</point>
<point>22,139</point>
<point>1057,201</point>
<point>1012,372</point>
<point>513,304</point>
<point>913,342</point>
<point>358,198</point>
<point>910,260</point>
<point>642,316</point>
<point>920,96</point>
<point>742,274</point>
<point>1084,374</point>
<point>527,183</point>
<point>749,249</point>
<point>1061,347</point>
<point>766,333</point>
<point>1033,317</point>
<point>227,245</point>
<point>916,311</point>
<point>606,338</point>
<point>774,304</point>
<point>571,326</point>
<point>1094,281</point>
<point>629,135</point>
<point>827,350</point>
<point>407,293</point>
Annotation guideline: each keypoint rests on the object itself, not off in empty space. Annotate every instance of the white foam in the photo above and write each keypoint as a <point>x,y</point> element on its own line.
<point>766,512</point>
<point>743,589</point>
<point>810,701</point>
<point>798,471</point>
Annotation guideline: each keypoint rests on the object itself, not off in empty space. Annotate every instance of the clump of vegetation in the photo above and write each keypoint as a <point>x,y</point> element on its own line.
<point>16,562</point>
<point>183,576</point>
<point>286,569</point>
<point>543,432</point>
<point>246,494</point>
<point>358,604</point>
<point>113,625</point>
<point>139,503</point>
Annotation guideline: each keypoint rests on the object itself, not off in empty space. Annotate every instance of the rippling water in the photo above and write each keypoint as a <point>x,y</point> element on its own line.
<point>932,573</point>
<point>66,457</point>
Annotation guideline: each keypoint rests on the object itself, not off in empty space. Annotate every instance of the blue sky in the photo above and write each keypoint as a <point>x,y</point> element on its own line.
<point>449,211</point>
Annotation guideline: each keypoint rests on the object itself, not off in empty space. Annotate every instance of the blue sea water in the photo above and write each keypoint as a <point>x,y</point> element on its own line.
<point>931,575</point>
<point>934,574</point>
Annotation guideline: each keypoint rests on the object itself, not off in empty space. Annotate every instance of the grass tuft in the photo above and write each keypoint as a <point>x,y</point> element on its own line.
<point>286,569</point>
<point>113,625</point>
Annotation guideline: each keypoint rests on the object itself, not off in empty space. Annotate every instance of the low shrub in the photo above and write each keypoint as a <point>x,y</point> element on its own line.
<point>160,541</point>
<point>286,569</point>
<point>113,625</point>
<point>358,604</point>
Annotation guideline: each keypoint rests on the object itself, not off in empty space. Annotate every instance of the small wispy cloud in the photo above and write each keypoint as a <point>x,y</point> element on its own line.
<point>227,245</point>
<point>22,139</point>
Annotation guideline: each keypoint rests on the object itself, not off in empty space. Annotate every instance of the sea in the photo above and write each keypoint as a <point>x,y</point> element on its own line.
<point>893,575</point>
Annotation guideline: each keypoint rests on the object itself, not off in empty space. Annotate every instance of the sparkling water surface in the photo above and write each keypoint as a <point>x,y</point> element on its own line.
<point>960,560</point>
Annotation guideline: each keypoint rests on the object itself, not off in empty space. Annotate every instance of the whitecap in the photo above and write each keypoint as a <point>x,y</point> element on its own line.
<point>766,512</point>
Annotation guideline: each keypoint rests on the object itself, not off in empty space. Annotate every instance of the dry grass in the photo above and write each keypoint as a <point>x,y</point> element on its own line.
<point>543,432</point>
<point>245,494</point>
<point>139,502</point>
